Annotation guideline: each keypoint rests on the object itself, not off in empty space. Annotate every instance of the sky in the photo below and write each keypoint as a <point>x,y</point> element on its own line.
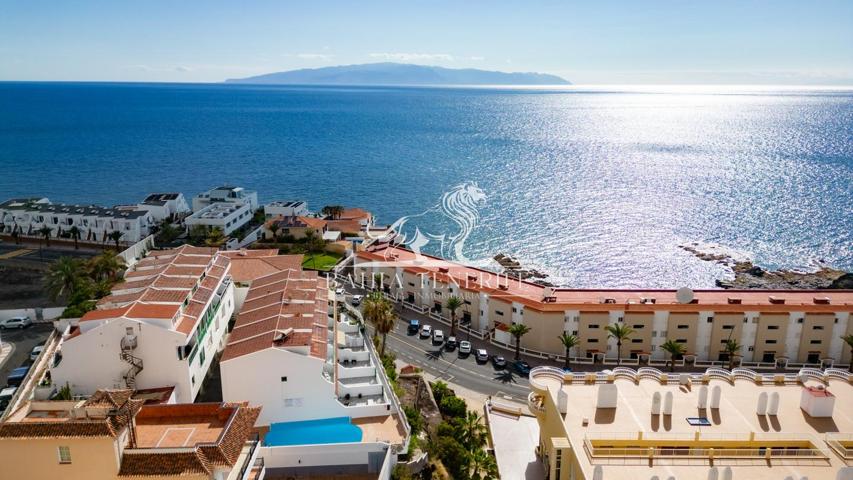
<point>781,42</point>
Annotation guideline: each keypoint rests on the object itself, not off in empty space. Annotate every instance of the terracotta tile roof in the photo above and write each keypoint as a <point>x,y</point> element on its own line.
<point>191,260</point>
<point>285,300</point>
<point>154,295</point>
<point>143,463</point>
<point>344,225</point>
<point>250,253</point>
<point>175,270</point>
<point>144,273</point>
<point>105,314</point>
<point>186,324</point>
<point>247,269</point>
<point>121,300</point>
<point>175,282</point>
<point>298,222</point>
<point>135,284</point>
<point>146,310</point>
<point>354,214</point>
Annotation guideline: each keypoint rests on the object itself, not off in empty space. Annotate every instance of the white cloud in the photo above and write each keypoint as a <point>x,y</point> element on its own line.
<point>314,56</point>
<point>181,68</point>
<point>408,57</point>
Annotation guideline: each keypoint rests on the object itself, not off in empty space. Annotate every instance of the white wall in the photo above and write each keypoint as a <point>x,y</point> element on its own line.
<point>51,313</point>
<point>319,455</point>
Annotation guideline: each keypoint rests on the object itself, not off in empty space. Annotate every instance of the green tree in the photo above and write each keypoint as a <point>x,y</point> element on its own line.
<point>75,235</point>
<point>518,330</point>
<point>168,233</point>
<point>454,456</point>
<point>473,431</point>
<point>63,276</point>
<point>674,349</point>
<point>440,390</point>
<point>45,232</point>
<point>378,281</point>
<point>115,236</point>
<point>107,265</point>
<point>315,245</point>
<point>453,304</point>
<point>333,211</point>
<point>732,349</point>
<point>569,342</point>
<point>453,406</point>
<point>197,234</point>
<point>379,311</point>
<point>848,339</point>
<point>621,333</point>
<point>483,465</point>
<point>215,237</point>
<point>274,227</point>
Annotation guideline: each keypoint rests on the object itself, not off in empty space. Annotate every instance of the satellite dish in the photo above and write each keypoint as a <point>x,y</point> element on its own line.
<point>684,295</point>
<point>548,292</point>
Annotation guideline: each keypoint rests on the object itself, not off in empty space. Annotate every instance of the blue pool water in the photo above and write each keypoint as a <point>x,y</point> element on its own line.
<point>313,432</point>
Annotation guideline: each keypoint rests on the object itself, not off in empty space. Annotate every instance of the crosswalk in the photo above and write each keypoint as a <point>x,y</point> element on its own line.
<point>16,253</point>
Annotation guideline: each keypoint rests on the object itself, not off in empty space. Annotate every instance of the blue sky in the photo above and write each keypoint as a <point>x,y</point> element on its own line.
<point>602,42</point>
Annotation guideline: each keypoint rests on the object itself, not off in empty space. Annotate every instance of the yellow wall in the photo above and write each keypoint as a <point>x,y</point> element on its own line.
<point>641,339</point>
<point>689,320</point>
<point>591,327</point>
<point>91,458</point>
<point>772,328</point>
<point>816,328</point>
<point>545,329</point>
<point>719,334</point>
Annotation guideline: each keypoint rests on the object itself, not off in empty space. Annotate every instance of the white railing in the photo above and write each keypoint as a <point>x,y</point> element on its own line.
<point>838,374</point>
<point>538,374</point>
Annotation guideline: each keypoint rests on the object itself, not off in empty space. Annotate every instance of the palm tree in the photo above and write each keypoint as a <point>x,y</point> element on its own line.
<point>621,333</point>
<point>75,234</point>
<point>378,310</point>
<point>168,232</point>
<point>732,348</point>
<point>378,280</point>
<point>115,236</point>
<point>453,304</point>
<point>214,237</point>
<point>569,342</point>
<point>274,227</point>
<point>107,265</point>
<point>315,244</point>
<point>334,211</point>
<point>473,431</point>
<point>848,339</point>
<point>518,330</point>
<point>483,466</point>
<point>63,276</point>
<point>45,232</point>
<point>674,349</point>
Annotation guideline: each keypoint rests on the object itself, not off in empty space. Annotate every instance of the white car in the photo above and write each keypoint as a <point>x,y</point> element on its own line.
<point>426,331</point>
<point>356,300</point>
<point>16,322</point>
<point>437,337</point>
<point>464,347</point>
<point>481,355</point>
<point>34,354</point>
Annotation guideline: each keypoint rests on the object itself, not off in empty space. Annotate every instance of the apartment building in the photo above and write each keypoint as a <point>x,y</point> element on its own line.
<point>225,216</point>
<point>226,194</point>
<point>297,227</point>
<point>161,327</point>
<point>27,216</point>
<point>795,326</point>
<point>717,425</point>
<point>112,435</point>
<point>165,206</point>
<point>286,209</point>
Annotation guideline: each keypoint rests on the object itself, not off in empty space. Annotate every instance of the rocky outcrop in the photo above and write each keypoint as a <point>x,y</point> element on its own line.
<point>750,276</point>
<point>514,269</point>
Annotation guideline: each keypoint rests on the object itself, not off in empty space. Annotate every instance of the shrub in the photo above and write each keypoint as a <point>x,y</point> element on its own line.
<point>454,456</point>
<point>440,390</point>
<point>416,421</point>
<point>453,406</point>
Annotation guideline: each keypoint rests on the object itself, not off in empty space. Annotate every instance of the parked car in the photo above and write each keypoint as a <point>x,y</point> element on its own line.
<point>36,351</point>
<point>356,300</point>
<point>414,326</point>
<point>339,291</point>
<point>451,344</point>
<point>16,322</point>
<point>498,362</point>
<point>426,332</point>
<point>521,367</point>
<point>481,355</point>
<point>6,396</point>
<point>16,378</point>
<point>437,337</point>
<point>464,347</point>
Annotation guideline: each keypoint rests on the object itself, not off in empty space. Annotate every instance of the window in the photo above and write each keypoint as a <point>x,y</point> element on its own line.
<point>772,327</point>
<point>514,310</point>
<point>728,327</point>
<point>411,284</point>
<point>574,332</point>
<point>293,402</point>
<point>799,320</point>
<point>636,340</point>
<point>283,379</point>
<point>638,326</point>
<point>681,340</point>
<point>816,342</point>
<point>770,342</point>
<point>683,327</point>
<point>467,302</point>
<point>620,319</point>
<point>64,454</point>
<point>499,313</point>
<point>710,319</point>
<point>817,327</point>
<point>593,326</point>
<point>592,340</point>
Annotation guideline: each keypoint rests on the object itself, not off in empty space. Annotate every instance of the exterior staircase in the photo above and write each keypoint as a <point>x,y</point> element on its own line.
<point>128,344</point>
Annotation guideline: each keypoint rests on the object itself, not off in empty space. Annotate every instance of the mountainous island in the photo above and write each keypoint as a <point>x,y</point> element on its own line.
<point>399,74</point>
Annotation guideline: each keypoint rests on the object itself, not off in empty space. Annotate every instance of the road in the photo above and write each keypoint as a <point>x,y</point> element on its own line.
<point>24,341</point>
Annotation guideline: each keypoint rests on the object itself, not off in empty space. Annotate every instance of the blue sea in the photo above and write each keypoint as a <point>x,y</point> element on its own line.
<point>597,186</point>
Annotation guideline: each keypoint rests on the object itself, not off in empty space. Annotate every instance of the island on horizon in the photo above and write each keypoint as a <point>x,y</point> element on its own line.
<point>389,73</point>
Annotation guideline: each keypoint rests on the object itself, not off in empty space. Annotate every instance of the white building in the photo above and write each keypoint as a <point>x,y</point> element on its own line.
<point>225,215</point>
<point>226,194</point>
<point>165,206</point>
<point>161,327</point>
<point>286,209</point>
<point>26,216</point>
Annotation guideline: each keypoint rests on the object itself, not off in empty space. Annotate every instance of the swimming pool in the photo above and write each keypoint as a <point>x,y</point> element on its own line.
<point>312,432</point>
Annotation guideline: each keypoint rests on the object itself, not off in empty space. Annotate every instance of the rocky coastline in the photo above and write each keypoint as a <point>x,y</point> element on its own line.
<point>513,268</point>
<point>747,275</point>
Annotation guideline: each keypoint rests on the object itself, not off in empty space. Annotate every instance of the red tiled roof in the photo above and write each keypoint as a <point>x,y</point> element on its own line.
<point>105,314</point>
<point>164,296</point>
<point>354,214</point>
<point>147,310</point>
<point>247,269</point>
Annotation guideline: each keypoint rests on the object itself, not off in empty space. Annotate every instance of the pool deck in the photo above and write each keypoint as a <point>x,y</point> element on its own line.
<point>386,429</point>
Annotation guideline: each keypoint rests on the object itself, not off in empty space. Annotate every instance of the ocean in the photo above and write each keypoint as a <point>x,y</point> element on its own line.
<point>596,186</point>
